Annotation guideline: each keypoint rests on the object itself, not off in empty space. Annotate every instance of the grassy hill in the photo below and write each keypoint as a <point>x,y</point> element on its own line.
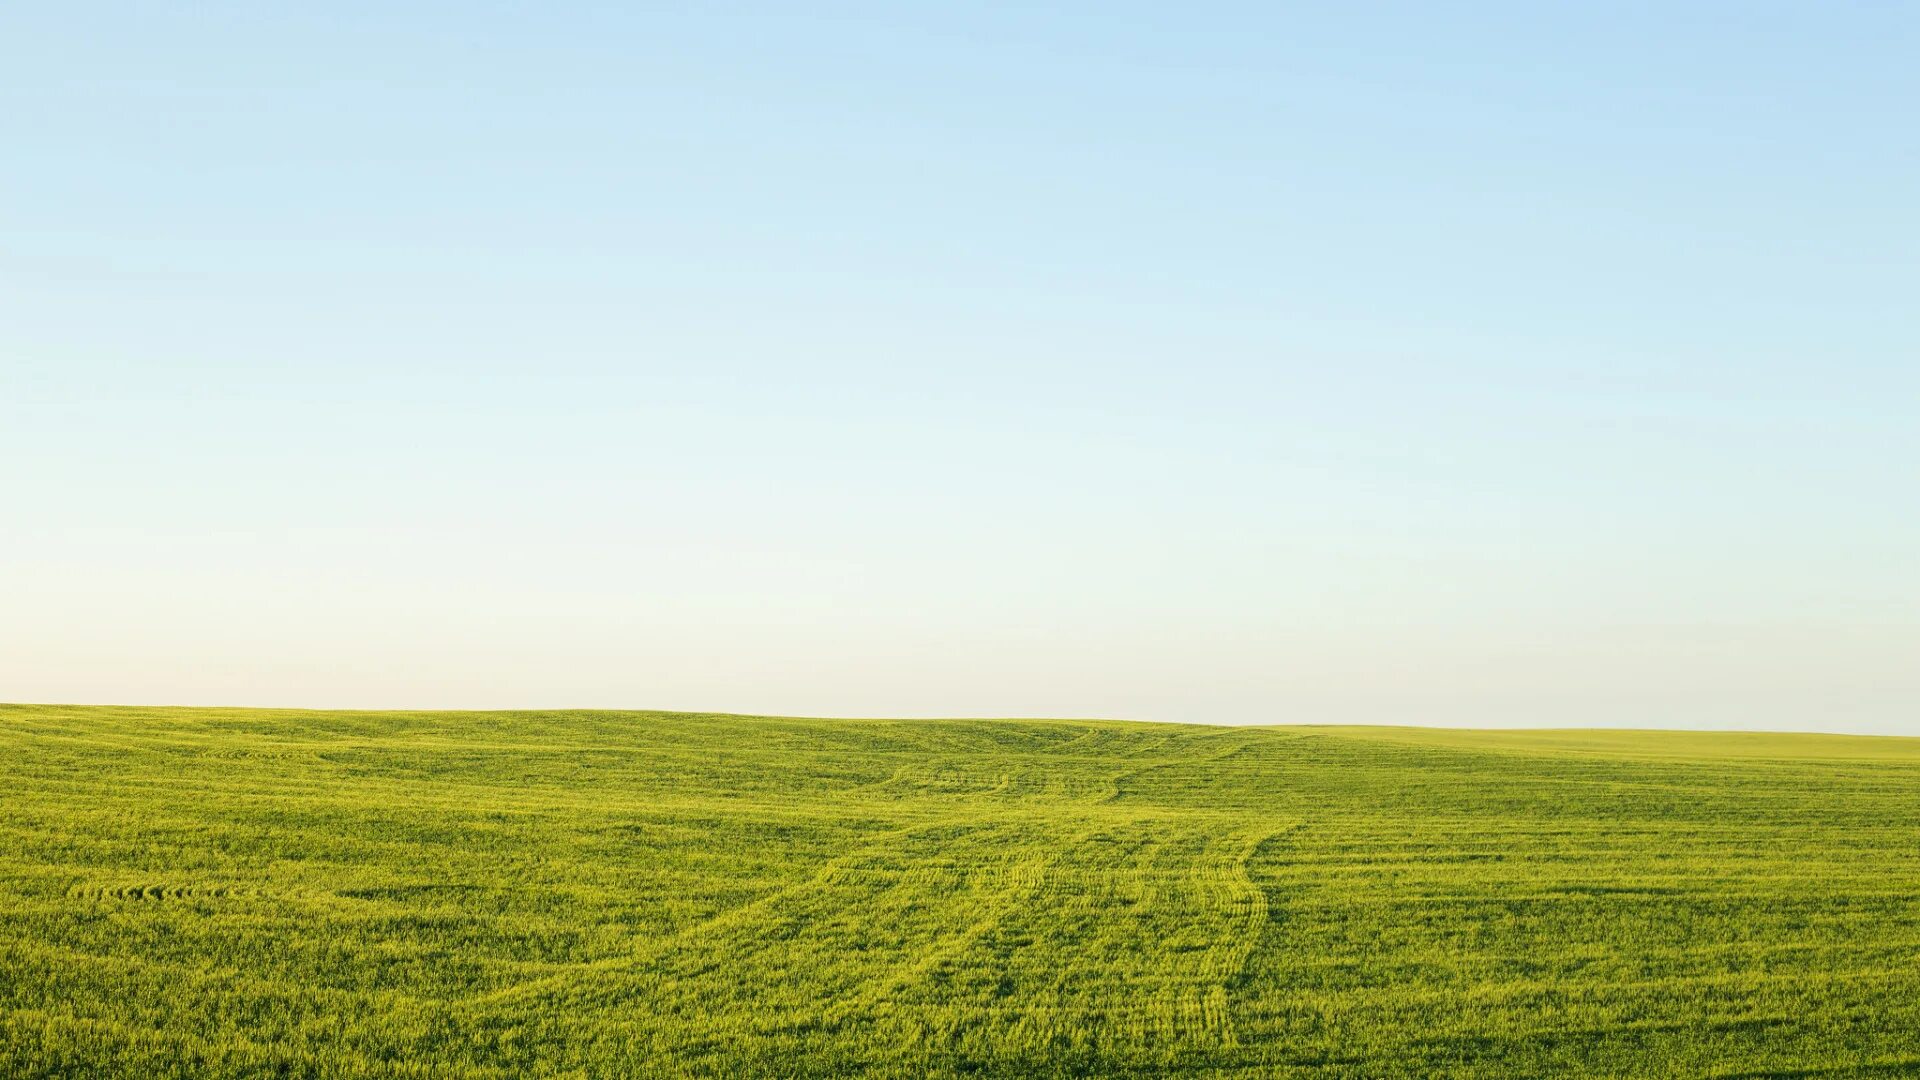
<point>215,892</point>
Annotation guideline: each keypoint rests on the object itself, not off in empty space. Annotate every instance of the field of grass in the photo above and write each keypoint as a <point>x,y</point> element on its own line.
<point>210,892</point>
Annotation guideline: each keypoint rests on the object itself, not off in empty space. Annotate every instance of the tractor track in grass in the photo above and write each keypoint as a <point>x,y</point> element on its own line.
<point>737,915</point>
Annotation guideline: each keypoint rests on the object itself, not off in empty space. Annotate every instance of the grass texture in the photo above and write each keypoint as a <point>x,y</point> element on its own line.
<point>245,893</point>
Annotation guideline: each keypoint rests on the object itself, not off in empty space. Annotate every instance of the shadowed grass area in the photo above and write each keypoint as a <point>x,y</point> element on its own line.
<point>222,892</point>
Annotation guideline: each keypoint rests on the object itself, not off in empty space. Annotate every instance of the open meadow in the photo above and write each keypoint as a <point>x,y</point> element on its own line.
<point>240,893</point>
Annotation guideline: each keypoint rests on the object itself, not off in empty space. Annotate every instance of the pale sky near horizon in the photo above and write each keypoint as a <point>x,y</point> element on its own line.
<point>1482,364</point>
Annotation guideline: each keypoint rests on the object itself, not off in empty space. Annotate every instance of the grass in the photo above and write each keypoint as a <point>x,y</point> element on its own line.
<point>213,892</point>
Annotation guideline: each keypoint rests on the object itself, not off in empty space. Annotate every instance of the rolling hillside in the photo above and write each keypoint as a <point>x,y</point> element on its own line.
<point>213,892</point>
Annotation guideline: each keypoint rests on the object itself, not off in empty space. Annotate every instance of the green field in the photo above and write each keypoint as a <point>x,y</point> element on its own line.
<point>210,892</point>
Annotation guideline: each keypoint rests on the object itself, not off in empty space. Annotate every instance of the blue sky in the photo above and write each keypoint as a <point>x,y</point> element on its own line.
<point>1494,364</point>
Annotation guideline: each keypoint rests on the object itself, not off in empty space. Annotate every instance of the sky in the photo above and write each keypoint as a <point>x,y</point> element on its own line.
<point>1477,364</point>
